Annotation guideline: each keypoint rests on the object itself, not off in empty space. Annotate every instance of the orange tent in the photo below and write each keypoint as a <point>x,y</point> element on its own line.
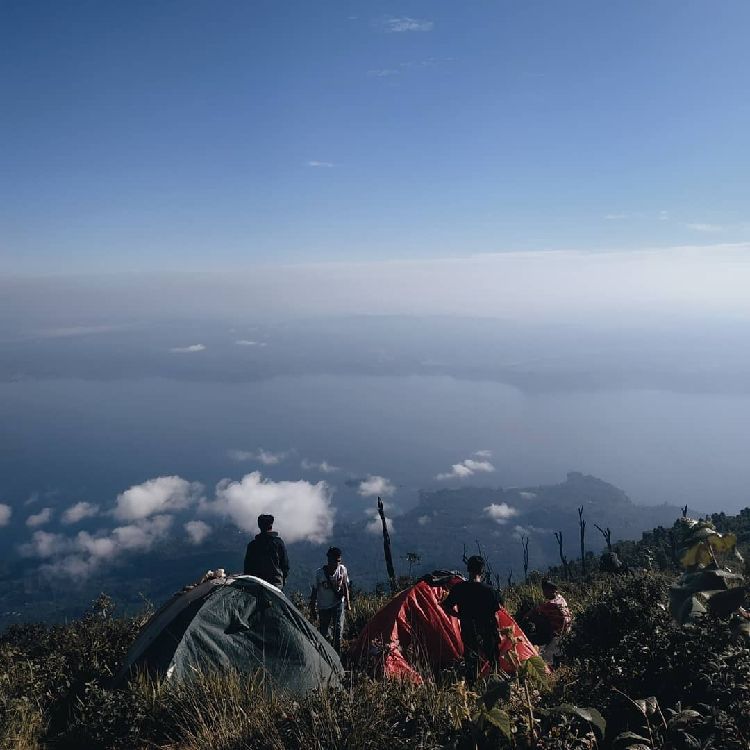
<point>412,633</point>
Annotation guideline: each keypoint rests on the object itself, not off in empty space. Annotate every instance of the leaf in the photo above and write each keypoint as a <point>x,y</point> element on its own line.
<point>498,718</point>
<point>497,690</point>
<point>591,715</point>
<point>534,668</point>
<point>630,741</point>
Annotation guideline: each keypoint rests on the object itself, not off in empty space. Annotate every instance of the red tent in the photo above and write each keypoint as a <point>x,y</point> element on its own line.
<point>412,632</point>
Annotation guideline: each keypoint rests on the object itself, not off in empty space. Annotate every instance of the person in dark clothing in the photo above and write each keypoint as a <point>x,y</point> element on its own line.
<point>266,555</point>
<point>476,605</point>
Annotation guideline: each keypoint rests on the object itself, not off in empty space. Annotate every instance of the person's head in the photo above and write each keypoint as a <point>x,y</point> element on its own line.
<point>549,589</point>
<point>475,565</point>
<point>333,555</point>
<point>265,522</point>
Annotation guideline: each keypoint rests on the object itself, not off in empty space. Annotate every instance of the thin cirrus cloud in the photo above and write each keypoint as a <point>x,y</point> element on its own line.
<point>401,24</point>
<point>322,466</point>
<point>39,519</point>
<point>469,466</point>
<point>249,342</point>
<point>266,457</point>
<point>188,349</point>
<point>316,164</point>
<point>78,512</point>
<point>703,227</point>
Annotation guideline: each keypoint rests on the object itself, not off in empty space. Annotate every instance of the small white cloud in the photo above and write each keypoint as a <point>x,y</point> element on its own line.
<point>156,496</point>
<point>424,520</point>
<point>143,534</point>
<point>78,512</point>
<point>249,342</point>
<point>483,454</point>
<point>701,227</point>
<point>468,467</point>
<point>267,458</point>
<point>526,495</point>
<point>500,513</point>
<point>39,519</point>
<point>376,485</point>
<point>401,24</point>
<point>323,466</point>
<point>44,544</point>
<point>375,525</point>
<point>317,164</point>
<point>5,513</point>
<point>302,510</point>
<point>197,531</point>
<point>188,349</point>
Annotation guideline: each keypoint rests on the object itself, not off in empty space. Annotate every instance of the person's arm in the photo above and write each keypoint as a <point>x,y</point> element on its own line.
<point>449,605</point>
<point>247,567</point>
<point>347,603</point>
<point>284,561</point>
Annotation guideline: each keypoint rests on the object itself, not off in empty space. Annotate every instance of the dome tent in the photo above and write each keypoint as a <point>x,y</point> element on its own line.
<point>237,622</point>
<point>412,632</point>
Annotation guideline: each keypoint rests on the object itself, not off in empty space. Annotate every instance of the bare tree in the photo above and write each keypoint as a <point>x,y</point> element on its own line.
<point>582,527</point>
<point>387,547</point>
<point>607,534</point>
<point>525,545</point>
<point>412,558</point>
<point>510,578</point>
<point>563,559</point>
<point>684,511</point>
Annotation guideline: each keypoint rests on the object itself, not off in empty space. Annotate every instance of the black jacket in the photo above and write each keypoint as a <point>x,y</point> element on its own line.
<point>266,558</point>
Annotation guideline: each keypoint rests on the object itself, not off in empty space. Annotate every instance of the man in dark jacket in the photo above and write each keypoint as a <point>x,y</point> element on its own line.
<point>266,555</point>
<point>476,605</point>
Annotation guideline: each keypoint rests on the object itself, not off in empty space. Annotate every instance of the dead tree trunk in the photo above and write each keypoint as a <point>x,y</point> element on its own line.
<point>563,559</point>
<point>525,544</point>
<point>387,547</point>
<point>607,534</point>
<point>582,526</point>
<point>684,511</point>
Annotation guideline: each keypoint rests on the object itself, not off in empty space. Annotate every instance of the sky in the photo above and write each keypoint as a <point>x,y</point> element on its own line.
<point>202,136</point>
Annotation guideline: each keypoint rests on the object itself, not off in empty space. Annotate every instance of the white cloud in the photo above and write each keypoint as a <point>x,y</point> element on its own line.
<point>197,531</point>
<point>5,513</point>
<point>39,519</point>
<point>701,227</point>
<point>323,466</point>
<point>267,458</point>
<point>156,496</point>
<point>302,510</point>
<point>188,349</point>
<point>84,554</point>
<point>249,342</point>
<point>500,513</point>
<point>468,467</point>
<point>376,485</point>
<point>424,520</point>
<point>526,495</point>
<point>325,164</point>
<point>405,23</point>
<point>78,512</point>
<point>483,454</point>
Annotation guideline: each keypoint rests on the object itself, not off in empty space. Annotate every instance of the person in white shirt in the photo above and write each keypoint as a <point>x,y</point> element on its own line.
<point>329,598</point>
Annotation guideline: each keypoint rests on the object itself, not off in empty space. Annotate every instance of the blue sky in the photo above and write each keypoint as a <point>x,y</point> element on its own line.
<point>216,135</point>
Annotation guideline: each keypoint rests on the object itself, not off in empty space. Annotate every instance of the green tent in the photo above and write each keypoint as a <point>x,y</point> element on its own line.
<point>236,623</point>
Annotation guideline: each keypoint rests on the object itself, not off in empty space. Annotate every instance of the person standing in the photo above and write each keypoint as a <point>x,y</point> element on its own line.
<point>329,598</point>
<point>476,605</point>
<point>266,556</point>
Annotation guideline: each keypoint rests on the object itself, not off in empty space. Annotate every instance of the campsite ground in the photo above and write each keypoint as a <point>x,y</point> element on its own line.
<point>626,659</point>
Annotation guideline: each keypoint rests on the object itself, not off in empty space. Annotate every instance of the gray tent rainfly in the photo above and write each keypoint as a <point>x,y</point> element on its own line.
<point>240,623</point>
